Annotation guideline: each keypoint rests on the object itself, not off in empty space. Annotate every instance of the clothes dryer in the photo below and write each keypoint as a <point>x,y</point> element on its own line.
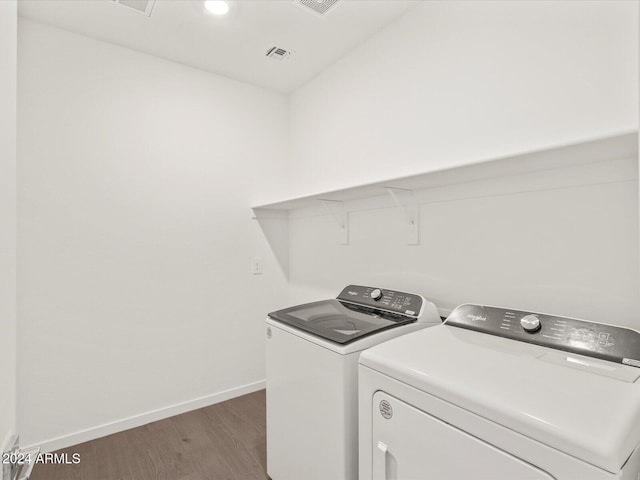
<point>502,394</point>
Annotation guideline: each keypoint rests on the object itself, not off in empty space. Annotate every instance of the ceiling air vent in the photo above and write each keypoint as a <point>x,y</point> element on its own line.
<point>141,6</point>
<point>278,53</point>
<point>319,6</point>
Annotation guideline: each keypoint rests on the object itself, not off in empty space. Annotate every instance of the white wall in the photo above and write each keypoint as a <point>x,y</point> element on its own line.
<point>456,82</point>
<point>8,25</point>
<point>134,184</point>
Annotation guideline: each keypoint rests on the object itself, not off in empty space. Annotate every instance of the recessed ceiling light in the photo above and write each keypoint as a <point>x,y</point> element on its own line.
<point>217,7</point>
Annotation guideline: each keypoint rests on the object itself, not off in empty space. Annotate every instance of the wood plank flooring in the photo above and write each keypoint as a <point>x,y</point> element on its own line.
<point>225,441</point>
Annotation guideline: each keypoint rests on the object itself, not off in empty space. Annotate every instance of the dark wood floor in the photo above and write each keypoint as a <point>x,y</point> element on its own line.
<point>226,441</point>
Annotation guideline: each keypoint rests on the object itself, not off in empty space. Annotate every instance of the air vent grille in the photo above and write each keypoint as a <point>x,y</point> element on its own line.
<point>319,6</point>
<point>141,6</point>
<point>278,53</point>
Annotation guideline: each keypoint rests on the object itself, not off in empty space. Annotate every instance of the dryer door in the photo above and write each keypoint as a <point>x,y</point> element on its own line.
<point>409,444</point>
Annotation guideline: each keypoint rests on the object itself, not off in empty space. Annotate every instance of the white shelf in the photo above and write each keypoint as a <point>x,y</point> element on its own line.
<point>610,148</point>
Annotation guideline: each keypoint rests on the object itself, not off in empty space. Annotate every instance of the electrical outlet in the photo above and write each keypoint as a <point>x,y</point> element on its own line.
<point>256,265</point>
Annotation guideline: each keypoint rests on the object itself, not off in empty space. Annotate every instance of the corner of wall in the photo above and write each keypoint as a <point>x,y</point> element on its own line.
<point>8,71</point>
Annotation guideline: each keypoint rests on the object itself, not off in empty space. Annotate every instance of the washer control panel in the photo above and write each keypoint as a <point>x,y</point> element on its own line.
<point>608,342</point>
<point>391,300</point>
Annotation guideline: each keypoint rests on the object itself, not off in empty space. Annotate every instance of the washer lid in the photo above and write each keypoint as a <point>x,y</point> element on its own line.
<point>569,407</point>
<point>339,321</point>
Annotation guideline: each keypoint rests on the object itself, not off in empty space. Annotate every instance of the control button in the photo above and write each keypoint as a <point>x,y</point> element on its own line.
<point>530,323</point>
<point>376,294</point>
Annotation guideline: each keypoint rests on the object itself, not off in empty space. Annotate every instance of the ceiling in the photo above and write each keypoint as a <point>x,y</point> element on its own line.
<point>234,45</point>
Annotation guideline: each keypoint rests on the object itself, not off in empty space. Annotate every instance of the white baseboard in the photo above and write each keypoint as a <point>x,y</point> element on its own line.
<point>142,419</point>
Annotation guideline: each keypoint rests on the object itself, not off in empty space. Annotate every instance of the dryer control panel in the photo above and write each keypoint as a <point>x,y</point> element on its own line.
<point>391,300</point>
<point>608,342</point>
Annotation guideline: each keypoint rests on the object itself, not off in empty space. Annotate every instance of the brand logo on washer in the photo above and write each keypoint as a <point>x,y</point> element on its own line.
<point>477,318</point>
<point>352,293</point>
<point>268,332</point>
<point>385,409</point>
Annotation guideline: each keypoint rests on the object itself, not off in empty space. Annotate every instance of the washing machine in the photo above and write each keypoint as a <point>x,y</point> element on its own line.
<point>311,375</point>
<point>502,394</point>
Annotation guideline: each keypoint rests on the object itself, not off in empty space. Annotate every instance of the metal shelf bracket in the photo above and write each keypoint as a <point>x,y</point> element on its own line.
<point>336,209</point>
<point>405,199</point>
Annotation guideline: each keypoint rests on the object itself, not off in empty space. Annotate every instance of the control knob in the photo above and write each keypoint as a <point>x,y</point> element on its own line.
<point>530,323</point>
<point>376,294</point>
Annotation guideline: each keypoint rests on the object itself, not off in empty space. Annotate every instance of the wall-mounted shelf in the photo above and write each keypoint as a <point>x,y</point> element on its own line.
<point>614,147</point>
<point>556,167</point>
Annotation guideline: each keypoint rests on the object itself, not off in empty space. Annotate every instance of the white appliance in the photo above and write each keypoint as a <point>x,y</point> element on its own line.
<point>502,394</point>
<point>312,367</point>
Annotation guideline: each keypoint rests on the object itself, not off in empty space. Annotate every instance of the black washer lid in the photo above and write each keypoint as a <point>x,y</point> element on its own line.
<point>338,321</point>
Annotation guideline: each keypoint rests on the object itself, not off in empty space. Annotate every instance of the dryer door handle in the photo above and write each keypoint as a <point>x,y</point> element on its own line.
<point>389,464</point>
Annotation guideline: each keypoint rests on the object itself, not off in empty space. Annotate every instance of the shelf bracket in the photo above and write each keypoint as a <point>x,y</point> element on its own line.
<point>405,199</point>
<point>336,209</point>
